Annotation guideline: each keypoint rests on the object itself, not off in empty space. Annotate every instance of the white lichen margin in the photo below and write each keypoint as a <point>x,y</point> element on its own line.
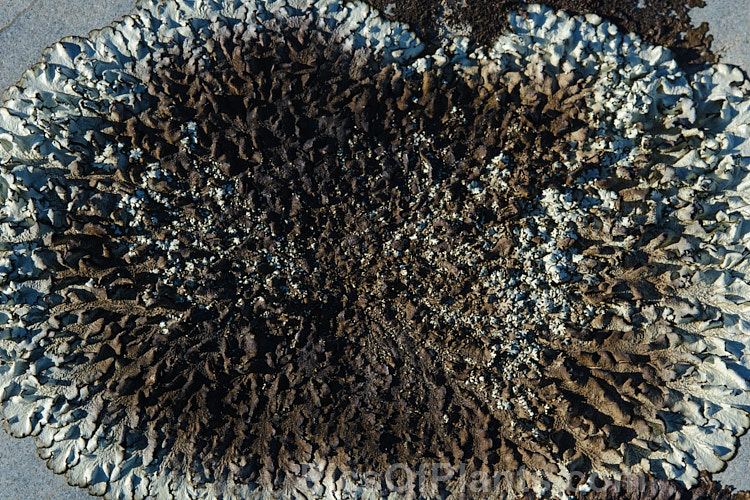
<point>47,117</point>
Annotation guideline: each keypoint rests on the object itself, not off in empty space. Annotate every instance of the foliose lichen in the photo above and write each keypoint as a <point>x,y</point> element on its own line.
<point>243,241</point>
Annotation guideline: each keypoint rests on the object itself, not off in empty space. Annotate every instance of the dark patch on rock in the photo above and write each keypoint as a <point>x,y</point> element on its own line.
<point>645,487</point>
<point>659,22</point>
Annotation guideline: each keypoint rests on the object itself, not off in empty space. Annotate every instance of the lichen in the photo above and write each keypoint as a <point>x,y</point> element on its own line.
<point>243,241</point>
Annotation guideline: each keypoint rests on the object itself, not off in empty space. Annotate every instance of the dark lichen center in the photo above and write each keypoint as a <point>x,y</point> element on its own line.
<point>321,258</point>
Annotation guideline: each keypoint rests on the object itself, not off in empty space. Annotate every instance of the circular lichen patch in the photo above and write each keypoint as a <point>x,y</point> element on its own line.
<point>283,248</point>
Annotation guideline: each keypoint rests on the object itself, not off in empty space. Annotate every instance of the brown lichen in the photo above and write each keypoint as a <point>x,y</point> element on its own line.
<point>659,22</point>
<point>274,249</point>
